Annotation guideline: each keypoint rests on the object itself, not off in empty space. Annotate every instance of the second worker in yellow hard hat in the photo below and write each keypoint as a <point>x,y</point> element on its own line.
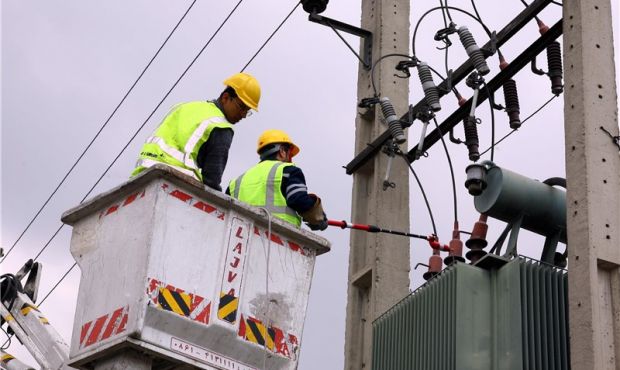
<point>278,185</point>
<point>195,137</point>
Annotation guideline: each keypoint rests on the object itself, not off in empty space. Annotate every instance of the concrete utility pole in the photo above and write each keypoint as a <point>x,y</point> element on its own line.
<point>378,263</point>
<point>593,179</point>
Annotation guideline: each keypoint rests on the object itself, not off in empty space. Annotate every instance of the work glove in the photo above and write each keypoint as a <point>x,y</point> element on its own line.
<point>321,225</point>
<point>315,218</point>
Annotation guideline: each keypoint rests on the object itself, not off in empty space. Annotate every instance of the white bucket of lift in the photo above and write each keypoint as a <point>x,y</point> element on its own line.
<point>180,273</point>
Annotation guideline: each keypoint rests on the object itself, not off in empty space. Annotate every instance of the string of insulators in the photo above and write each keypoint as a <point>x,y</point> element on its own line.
<point>511,98</point>
<point>471,137</point>
<point>428,85</point>
<point>456,247</point>
<point>471,133</point>
<point>394,126</point>
<point>554,63</point>
<point>434,265</point>
<point>473,51</point>
<point>477,242</point>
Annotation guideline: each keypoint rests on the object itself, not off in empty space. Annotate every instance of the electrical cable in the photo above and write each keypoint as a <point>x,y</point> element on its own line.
<point>525,120</point>
<point>99,132</point>
<point>491,103</point>
<point>274,32</point>
<point>473,4</point>
<point>58,283</point>
<point>372,70</point>
<point>448,11</point>
<point>8,339</point>
<point>428,206</point>
<point>486,29</point>
<point>43,300</point>
<point>445,147</point>
<point>148,118</point>
<point>268,247</point>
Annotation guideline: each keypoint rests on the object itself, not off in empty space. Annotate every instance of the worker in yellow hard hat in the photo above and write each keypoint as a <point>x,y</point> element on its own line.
<point>195,137</point>
<point>278,185</point>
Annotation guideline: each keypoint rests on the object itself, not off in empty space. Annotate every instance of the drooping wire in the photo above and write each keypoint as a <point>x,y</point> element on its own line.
<point>133,137</point>
<point>58,283</point>
<point>101,129</point>
<point>428,206</point>
<point>6,344</point>
<point>525,120</point>
<point>372,71</point>
<point>268,248</point>
<point>486,29</point>
<point>447,11</point>
<point>274,32</point>
<point>445,148</point>
<point>491,104</point>
<point>148,118</point>
<point>473,4</point>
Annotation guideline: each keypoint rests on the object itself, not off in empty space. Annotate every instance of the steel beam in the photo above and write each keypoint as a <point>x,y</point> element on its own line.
<point>457,76</point>
<point>507,73</point>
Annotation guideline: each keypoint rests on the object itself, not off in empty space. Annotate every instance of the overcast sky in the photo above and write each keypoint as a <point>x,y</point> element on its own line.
<point>67,64</point>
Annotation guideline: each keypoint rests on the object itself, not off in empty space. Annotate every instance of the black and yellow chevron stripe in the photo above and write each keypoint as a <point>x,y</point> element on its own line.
<point>255,332</point>
<point>227,309</point>
<point>170,300</point>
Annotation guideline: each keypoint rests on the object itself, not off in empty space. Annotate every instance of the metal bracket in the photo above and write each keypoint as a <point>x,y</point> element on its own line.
<point>340,26</point>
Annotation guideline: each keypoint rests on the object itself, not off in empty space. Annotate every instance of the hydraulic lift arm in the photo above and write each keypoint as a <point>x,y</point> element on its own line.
<point>28,323</point>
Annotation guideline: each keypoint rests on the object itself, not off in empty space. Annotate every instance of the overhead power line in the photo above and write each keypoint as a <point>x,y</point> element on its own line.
<point>133,137</point>
<point>269,38</point>
<point>142,126</point>
<point>99,132</point>
<point>525,120</point>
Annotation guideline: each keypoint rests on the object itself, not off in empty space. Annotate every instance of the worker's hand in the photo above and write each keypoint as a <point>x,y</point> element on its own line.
<point>315,218</point>
<point>320,225</point>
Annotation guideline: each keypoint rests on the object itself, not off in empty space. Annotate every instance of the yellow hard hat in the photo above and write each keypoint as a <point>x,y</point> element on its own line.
<point>246,87</point>
<point>275,137</point>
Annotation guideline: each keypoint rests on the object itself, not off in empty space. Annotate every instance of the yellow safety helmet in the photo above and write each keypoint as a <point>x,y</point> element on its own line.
<point>275,137</point>
<point>246,87</point>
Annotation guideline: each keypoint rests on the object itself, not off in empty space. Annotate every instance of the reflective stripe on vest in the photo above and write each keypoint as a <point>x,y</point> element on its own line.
<point>283,212</point>
<point>146,163</point>
<point>178,138</point>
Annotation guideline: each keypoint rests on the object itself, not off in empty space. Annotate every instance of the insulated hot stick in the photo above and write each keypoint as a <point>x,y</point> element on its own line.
<point>432,240</point>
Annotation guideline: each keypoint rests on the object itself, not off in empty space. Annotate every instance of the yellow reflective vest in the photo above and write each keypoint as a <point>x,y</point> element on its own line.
<point>178,138</point>
<point>261,186</point>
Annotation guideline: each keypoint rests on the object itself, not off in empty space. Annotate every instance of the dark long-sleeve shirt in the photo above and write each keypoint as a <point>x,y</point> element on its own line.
<point>213,156</point>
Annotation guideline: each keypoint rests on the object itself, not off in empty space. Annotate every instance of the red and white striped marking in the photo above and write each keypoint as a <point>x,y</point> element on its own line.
<point>283,242</point>
<point>126,202</point>
<point>200,307</point>
<point>104,327</point>
<point>198,204</point>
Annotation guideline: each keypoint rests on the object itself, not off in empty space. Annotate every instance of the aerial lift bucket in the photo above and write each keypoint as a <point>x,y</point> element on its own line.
<point>187,275</point>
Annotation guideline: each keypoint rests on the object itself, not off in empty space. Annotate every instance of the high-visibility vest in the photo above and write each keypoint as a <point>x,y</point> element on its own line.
<point>261,185</point>
<point>179,136</point>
